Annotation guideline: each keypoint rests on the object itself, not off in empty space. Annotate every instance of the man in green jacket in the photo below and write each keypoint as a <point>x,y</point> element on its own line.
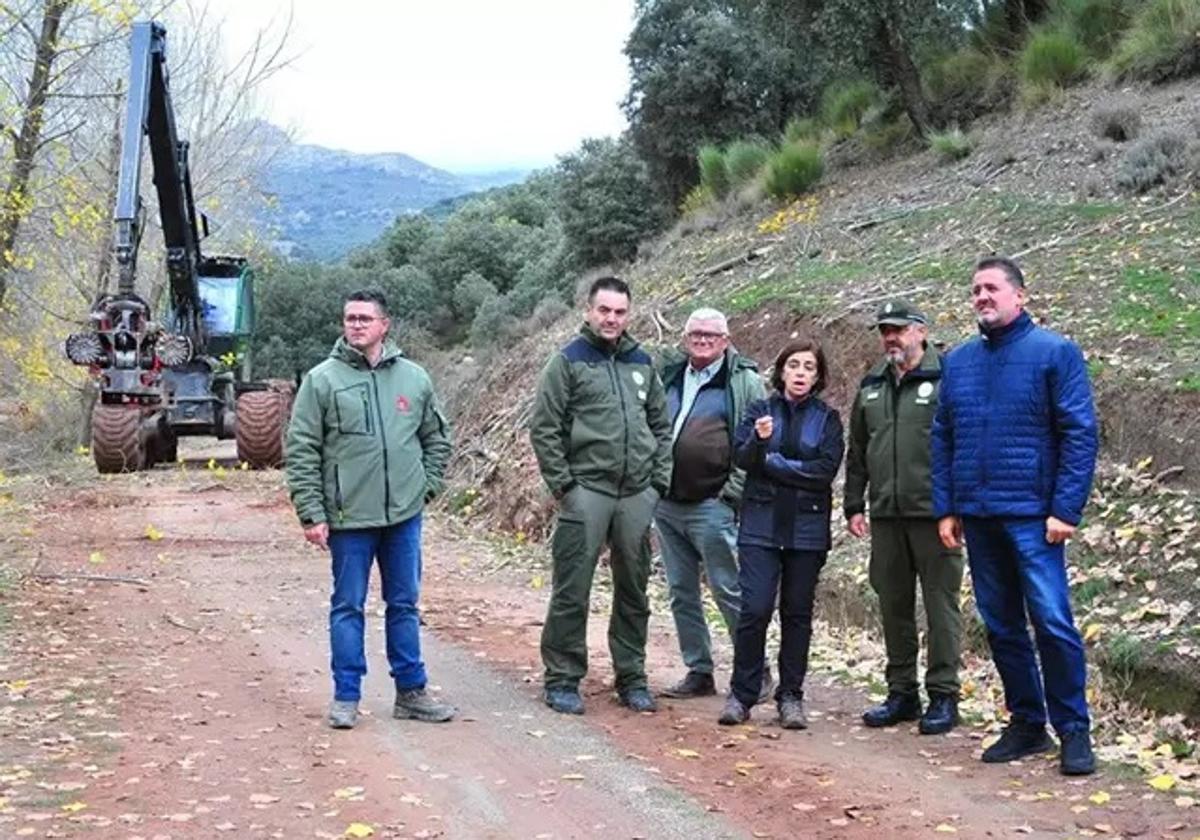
<point>366,449</point>
<point>707,393</point>
<point>603,442</point>
<point>889,451</point>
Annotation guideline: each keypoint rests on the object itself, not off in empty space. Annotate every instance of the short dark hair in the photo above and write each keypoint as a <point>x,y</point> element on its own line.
<point>609,284</point>
<point>1011,270</point>
<point>801,345</point>
<point>370,296</point>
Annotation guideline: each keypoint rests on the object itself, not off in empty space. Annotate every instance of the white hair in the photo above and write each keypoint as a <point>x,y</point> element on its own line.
<point>707,314</point>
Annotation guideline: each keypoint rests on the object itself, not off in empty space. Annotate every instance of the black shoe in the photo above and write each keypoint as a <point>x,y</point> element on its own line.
<point>895,708</point>
<point>1017,741</point>
<point>734,712</point>
<point>416,704</point>
<point>637,699</point>
<point>1076,757</point>
<point>565,701</point>
<point>694,684</point>
<point>768,685</point>
<point>791,712</point>
<point>941,716</point>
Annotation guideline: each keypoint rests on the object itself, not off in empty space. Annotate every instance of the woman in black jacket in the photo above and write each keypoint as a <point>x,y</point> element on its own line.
<point>790,445</point>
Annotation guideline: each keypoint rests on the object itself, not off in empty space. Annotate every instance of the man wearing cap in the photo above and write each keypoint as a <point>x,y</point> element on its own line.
<point>889,454</point>
<point>1014,446</point>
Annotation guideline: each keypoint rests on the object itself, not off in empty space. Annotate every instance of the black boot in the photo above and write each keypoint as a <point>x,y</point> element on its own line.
<point>1077,758</point>
<point>694,684</point>
<point>941,716</point>
<point>895,708</point>
<point>1017,741</point>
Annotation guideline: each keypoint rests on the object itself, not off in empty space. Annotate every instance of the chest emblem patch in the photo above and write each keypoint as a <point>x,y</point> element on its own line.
<point>872,395</point>
<point>925,390</point>
<point>638,378</point>
<point>402,404</point>
<point>642,396</point>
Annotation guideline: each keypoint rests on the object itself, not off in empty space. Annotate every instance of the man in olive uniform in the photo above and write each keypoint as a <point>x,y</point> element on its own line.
<point>889,453</point>
<point>602,436</point>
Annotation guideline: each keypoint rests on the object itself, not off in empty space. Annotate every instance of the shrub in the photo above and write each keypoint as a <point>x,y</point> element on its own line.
<point>1160,42</point>
<point>1097,24</point>
<point>548,312</point>
<point>700,198</point>
<point>793,170</point>
<point>950,145</point>
<point>967,83</point>
<point>1117,119</point>
<point>744,159</point>
<point>801,128</point>
<point>1052,57</point>
<point>1153,161</point>
<point>714,174</point>
<point>844,103</point>
<point>889,138</point>
<point>494,322</point>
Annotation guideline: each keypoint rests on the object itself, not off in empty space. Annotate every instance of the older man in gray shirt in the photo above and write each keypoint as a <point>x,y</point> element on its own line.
<point>696,520</point>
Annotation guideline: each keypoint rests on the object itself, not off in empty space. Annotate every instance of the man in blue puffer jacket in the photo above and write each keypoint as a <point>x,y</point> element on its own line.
<point>1013,449</point>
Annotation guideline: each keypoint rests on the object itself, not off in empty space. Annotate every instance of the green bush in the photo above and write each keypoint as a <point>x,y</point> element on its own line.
<point>967,83</point>
<point>793,170</point>
<point>950,145</point>
<point>844,103</point>
<point>799,129</point>
<point>1097,24</point>
<point>744,159</point>
<point>1153,161</point>
<point>1052,57</point>
<point>1161,42</point>
<point>714,174</point>
<point>889,138</point>
<point>700,198</point>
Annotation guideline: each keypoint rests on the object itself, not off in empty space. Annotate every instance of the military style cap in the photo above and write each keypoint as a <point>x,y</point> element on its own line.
<point>899,313</point>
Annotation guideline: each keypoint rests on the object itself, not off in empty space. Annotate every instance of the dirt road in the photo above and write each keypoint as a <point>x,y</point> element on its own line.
<point>183,696</point>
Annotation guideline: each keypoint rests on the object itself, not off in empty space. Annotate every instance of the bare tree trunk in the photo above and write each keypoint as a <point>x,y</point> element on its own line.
<point>1018,14</point>
<point>14,202</point>
<point>903,71</point>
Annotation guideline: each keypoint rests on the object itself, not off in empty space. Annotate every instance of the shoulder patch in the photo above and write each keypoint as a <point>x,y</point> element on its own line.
<point>636,356</point>
<point>581,350</point>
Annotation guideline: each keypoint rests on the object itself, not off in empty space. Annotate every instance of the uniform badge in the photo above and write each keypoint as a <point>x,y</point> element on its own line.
<point>402,404</point>
<point>638,378</point>
<point>925,390</point>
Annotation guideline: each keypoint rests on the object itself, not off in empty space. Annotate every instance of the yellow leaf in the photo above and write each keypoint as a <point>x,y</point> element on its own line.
<point>358,830</point>
<point>944,828</point>
<point>1164,781</point>
<point>1092,631</point>
<point>153,534</point>
<point>349,792</point>
<point>573,777</point>
<point>1164,750</point>
<point>18,685</point>
<point>212,463</point>
<point>683,753</point>
<point>1100,797</point>
<point>537,582</point>
<point>74,807</point>
<point>96,557</point>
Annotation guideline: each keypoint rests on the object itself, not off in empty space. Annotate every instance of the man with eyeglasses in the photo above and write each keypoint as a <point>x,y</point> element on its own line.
<point>366,449</point>
<point>706,395</point>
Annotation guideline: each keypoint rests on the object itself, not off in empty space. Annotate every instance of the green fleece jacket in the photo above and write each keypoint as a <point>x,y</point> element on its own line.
<point>366,447</point>
<point>600,419</point>
<point>889,441</point>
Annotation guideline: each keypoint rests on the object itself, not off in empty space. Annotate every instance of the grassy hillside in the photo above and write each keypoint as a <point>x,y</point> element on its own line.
<point>1118,273</point>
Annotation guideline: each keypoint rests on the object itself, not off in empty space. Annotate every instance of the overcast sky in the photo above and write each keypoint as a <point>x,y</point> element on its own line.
<point>465,85</point>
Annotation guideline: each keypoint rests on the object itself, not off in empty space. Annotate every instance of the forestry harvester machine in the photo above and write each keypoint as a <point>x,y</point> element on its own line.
<point>185,372</point>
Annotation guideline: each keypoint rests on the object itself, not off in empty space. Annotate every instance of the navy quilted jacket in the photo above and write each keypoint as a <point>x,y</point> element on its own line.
<point>1015,432</point>
<point>787,499</point>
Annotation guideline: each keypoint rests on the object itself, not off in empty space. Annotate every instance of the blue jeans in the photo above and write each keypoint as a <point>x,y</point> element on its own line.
<point>695,537</point>
<point>1014,572</point>
<point>398,549</point>
<point>765,574</point>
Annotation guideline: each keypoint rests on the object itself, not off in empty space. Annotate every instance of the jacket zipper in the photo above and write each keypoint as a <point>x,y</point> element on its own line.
<point>616,384</point>
<point>387,487</point>
<point>337,495</point>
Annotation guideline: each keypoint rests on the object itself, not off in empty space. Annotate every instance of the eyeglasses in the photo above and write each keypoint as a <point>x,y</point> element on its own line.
<point>705,336</point>
<point>360,319</point>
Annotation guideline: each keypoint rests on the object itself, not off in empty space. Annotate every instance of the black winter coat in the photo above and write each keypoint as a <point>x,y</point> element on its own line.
<point>788,497</point>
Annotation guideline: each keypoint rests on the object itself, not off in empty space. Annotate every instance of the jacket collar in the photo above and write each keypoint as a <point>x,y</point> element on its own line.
<point>930,367</point>
<point>624,344</point>
<point>343,352</point>
<point>1009,333</point>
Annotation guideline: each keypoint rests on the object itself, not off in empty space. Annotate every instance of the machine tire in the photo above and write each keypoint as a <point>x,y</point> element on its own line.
<point>262,418</point>
<point>117,444</point>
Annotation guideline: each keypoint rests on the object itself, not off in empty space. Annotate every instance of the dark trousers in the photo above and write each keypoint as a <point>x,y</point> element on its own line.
<point>767,573</point>
<point>1017,574</point>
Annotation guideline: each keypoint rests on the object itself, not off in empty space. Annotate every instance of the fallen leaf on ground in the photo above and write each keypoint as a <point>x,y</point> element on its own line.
<point>1100,797</point>
<point>358,830</point>
<point>1164,781</point>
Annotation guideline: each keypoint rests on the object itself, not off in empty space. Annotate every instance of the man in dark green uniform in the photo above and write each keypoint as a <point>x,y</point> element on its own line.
<point>889,452</point>
<point>602,436</point>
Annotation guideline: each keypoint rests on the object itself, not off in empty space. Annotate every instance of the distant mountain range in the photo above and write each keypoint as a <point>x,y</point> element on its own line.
<point>325,202</point>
